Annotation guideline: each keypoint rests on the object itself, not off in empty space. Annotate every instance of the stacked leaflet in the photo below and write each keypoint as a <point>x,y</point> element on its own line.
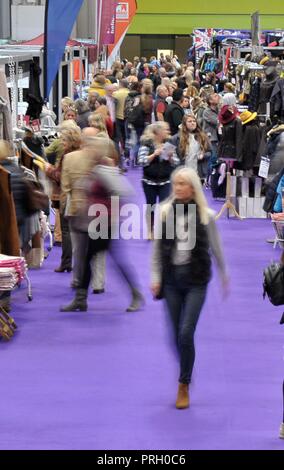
<point>8,279</point>
<point>12,271</point>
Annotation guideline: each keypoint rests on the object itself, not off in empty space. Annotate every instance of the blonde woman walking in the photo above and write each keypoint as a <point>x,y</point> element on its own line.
<point>181,268</point>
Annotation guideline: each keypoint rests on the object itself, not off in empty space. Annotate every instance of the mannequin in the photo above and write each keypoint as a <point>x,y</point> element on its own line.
<point>267,85</point>
<point>230,146</point>
<point>230,149</point>
<point>251,140</point>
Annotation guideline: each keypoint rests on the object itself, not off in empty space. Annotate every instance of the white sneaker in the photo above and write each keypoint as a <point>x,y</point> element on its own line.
<point>281,433</point>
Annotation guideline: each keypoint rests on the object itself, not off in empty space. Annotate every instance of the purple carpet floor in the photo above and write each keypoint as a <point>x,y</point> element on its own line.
<point>107,379</point>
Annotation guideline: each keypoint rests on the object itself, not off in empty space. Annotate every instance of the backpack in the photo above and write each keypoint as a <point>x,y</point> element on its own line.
<point>136,115</point>
<point>129,105</point>
<point>273,283</point>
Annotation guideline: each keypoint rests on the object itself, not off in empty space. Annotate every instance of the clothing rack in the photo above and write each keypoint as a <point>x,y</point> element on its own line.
<point>248,64</point>
<point>21,146</point>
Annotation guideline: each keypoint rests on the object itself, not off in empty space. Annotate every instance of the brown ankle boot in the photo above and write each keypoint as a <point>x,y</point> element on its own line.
<point>183,398</point>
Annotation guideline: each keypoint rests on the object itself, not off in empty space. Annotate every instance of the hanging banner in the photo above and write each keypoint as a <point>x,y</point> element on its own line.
<point>110,35</point>
<point>60,17</point>
<point>107,30</point>
<point>125,12</point>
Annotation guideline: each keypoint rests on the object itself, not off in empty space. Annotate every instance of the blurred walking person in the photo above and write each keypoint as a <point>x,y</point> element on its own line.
<point>105,182</point>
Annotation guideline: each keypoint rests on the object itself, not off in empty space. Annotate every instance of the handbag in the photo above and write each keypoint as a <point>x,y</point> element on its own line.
<point>273,283</point>
<point>36,199</point>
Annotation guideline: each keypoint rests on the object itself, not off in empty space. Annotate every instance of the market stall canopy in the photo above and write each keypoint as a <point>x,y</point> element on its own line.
<point>39,41</point>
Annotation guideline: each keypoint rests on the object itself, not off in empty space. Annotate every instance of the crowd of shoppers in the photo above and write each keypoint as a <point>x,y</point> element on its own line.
<point>159,115</point>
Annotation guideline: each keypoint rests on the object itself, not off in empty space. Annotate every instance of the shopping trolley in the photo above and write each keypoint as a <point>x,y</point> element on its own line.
<point>279,230</point>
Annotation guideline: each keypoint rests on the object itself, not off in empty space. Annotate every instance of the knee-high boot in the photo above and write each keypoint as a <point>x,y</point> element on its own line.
<point>79,303</point>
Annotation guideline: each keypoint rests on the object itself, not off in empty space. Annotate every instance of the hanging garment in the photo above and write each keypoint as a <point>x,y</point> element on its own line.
<point>251,142</point>
<point>262,149</point>
<point>265,93</point>
<point>34,97</point>
<point>275,149</point>
<point>35,144</point>
<point>4,92</point>
<point>277,98</point>
<point>254,96</point>
<point>9,236</point>
<point>6,131</point>
<point>18,188</point>
<point>230,146</point>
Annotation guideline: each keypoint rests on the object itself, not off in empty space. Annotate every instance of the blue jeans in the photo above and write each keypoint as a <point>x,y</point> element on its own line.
<point>184,302</point>
<point>213,158</point>
<point>139,133</point>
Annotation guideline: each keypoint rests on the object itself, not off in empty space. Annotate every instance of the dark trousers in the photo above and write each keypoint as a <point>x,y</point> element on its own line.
<point>66,257</point>
<point>213,158</point>
<point>184,303</point>
<point>120,138</point>
<point>118,252</point>
<point>152,193</point>
<point>139,132</point>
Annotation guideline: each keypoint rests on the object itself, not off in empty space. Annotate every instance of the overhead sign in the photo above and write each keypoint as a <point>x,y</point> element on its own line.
<point>122,11</point>
<point>125,12</point>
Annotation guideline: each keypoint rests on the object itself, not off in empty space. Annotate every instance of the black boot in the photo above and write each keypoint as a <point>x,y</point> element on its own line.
<point>79,304</point>
<point>138,301</point>
<point>61,269</point>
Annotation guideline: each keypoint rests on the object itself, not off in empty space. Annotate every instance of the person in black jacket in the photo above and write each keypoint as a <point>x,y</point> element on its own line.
<point>175,112</point>
<point>18,186</point>
<point>158,164</point>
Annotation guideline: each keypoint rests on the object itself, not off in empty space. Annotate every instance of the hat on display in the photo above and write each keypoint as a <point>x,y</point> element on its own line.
<point>228,114</point>
<point>264,60</point>
<point>247,117</point>
<point>229,99</point>
<point>273,44</point>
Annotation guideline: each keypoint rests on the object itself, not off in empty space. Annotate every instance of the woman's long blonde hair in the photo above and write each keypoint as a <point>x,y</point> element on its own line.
<point>146,98</point>
<point>191,177</point>
<point>97,121</point>
<point>198,134</point>
<point>73,136</point>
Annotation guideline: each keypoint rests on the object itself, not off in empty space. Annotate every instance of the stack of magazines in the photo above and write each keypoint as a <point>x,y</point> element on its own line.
<point>12,272</point>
